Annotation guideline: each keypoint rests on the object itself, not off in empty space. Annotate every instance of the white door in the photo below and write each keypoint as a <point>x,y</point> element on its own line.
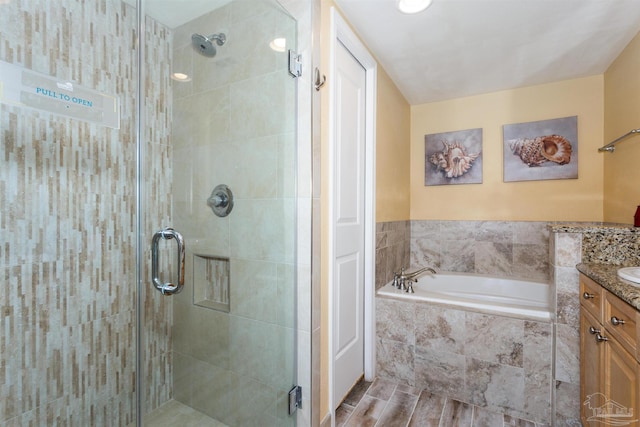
<point>349,223</point>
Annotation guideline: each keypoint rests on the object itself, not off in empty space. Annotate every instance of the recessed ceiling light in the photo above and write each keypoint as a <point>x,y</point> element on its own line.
<point>180,77</point>
<point>412,6</point>
<point>279,44</point>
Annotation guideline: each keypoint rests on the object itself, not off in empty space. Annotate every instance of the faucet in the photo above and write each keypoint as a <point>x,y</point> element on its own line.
<point>400,280</point>
<point>416,273</point>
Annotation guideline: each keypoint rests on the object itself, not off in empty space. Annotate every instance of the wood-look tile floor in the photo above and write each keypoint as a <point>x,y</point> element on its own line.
<point>385,403</point>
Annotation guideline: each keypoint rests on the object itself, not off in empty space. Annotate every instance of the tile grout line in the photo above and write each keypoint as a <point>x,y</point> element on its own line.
<point>395,387</point>
<point>446,400</point>
<point>415,405</point>
<point>381,413</point>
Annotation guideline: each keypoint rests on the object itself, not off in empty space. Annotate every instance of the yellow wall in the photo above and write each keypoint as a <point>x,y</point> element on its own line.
<point>622,113</point>
<point>552,200</point>
<point>392,152</point>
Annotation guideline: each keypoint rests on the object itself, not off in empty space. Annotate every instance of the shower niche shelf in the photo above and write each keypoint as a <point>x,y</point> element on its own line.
<point>211,276</point>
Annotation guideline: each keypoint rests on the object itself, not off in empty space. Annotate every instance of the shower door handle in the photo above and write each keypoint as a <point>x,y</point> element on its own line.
<point>167,288</point>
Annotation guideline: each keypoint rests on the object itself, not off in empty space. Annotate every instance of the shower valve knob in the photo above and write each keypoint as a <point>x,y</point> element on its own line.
<point>221,200</point>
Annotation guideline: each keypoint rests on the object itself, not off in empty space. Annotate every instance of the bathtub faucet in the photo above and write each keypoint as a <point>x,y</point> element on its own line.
<point>416,273</point>
<point>404,281</point>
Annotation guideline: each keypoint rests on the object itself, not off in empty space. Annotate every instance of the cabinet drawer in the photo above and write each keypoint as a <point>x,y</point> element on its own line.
<point>591,296</point>
<point>620,320</point>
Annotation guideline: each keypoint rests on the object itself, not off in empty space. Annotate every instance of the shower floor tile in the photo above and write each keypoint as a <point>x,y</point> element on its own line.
<point>174,413</point>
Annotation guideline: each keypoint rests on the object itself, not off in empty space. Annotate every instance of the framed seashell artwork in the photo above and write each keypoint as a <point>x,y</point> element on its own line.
<point>453,157</point>
<point>545,149</point>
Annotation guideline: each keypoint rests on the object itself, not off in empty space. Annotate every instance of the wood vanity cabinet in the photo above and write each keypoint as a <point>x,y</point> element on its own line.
<point>609,368</point>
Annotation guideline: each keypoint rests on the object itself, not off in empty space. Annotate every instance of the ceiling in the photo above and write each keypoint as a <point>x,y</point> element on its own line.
<point>459,48</point>
<point>174,13</point>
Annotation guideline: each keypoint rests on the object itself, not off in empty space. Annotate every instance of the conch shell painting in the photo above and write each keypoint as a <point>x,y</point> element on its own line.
<point>453,157</point>
<point>546,149</point>
<point>454,160</point>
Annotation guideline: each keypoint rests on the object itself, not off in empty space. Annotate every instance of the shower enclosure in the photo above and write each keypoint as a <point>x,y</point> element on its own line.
<point>154,213</point>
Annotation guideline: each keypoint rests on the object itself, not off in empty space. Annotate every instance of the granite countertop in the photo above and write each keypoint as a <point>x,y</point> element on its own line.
<point>591,227</point>
<point>606,275</point>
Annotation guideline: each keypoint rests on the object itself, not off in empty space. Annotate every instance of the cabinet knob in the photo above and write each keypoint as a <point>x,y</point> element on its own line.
<point>600,338</point>
<point>615,321</point>
<point>587,295</point>
<point>593,330</point>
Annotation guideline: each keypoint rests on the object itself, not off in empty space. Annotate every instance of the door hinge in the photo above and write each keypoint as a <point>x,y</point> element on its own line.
<point>295,399</point>
<point>295,64</point>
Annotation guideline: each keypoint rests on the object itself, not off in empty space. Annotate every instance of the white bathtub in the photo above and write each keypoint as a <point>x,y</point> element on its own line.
<point>510,297</point>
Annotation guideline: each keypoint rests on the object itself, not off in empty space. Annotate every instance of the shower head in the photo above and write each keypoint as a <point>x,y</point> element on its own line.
<point>204,44</point>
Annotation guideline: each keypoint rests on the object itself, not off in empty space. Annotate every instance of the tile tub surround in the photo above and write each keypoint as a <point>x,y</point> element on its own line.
<point>500,248</point>
<point>444,351</point>
<point>564,245</point>
<point>497,248</point>
<point>392,249</point>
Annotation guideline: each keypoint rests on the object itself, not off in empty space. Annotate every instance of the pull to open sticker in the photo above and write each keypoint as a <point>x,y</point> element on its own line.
<point>25,88</point>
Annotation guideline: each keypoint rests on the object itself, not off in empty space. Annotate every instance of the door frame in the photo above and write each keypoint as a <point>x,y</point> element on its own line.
<point>342,33</point>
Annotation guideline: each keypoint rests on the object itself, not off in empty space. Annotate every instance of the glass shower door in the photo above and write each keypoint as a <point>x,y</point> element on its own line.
<point>219,169</point>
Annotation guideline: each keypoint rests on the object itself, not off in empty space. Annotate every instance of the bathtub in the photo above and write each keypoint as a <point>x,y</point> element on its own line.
<point>477,339</point>
<point>509,297</point>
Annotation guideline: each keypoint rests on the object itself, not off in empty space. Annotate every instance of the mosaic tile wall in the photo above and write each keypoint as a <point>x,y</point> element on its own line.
<point>157,333</point>
<point>67,197</point>
<point>234,123</point>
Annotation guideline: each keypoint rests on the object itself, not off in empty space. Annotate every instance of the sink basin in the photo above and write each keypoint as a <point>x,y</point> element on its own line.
<point>630,273</point>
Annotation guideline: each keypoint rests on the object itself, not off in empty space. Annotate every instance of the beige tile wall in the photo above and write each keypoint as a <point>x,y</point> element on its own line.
<point>393,244</point>
<point>566,252</point>
<point>235,124</point>
<point>502,248</point>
